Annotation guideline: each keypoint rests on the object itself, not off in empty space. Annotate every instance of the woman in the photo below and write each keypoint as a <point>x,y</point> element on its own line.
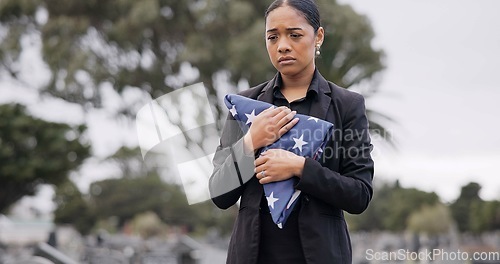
<point>316,231</point>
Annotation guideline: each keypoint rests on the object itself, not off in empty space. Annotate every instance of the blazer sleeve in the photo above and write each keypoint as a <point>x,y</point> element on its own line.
<point>232,166</point>
<point>349,189</point>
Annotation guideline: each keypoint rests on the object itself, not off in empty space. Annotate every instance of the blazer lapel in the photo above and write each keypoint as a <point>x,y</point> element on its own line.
<point>266,94</point>
<point>320,107</point>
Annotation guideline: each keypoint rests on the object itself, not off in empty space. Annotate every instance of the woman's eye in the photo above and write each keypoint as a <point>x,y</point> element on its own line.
<point>272,37</point>
<point>295,35</point>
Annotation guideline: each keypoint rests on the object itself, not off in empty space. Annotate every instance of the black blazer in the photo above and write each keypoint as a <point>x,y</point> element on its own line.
<point>341,181</point>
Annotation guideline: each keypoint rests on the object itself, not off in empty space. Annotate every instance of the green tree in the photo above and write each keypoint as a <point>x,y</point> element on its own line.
<point>461,208</point>
<point>402,203</point>
<point>391,208</point>
<point>124,198</point>
<point>148,225</point>
<point>431,219</point>
<point>484,216</point>
<point>139,189</point>
<point>73,208</point>
<point>151,44</point>
<point>35,152</point>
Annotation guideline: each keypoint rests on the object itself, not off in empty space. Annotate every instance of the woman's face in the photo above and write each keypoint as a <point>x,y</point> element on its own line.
<point>291,41</point>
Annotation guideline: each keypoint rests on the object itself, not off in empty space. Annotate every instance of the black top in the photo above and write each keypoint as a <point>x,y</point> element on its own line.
<point>283,245</point>
<point>302,105</point>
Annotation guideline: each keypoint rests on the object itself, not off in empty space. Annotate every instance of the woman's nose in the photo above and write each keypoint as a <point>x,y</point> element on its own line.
<point>283,46</point>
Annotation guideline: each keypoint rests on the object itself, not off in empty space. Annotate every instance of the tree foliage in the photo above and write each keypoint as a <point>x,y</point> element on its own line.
<point>394,208</point>
<point>431,220</point>
<point>148,225</point>
<point>472,213</point>
<point>391,208</point>
<point>126,197</point>
<point>73,209</point>
<point>139,189</point>
<point>34,152</point>
<point>151,44</point>
<point>460,209</point>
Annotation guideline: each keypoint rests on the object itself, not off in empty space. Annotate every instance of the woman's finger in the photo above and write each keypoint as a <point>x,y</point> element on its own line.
<point>261,174</point>
<point>285,119</point>
<point>284,111</point>
<point>288,126</point>
<point>260,160</point>
<point>266,179</point>
<point>271,111</point>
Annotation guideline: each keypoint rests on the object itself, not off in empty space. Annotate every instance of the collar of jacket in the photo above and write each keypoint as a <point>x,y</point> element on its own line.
<point>318,109</point>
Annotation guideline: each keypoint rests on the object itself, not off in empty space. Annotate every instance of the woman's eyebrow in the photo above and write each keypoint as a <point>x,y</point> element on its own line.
<point>288,29</point>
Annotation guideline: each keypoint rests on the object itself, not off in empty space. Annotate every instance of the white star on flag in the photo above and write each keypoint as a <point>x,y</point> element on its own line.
<point>299,142</point>
<point>233,110</point>
<point>271,200</point>
<point>313,118</point>
<point>250,117</point>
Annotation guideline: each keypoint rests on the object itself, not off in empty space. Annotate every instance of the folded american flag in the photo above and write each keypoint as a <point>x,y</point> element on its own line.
<point>307,139</point>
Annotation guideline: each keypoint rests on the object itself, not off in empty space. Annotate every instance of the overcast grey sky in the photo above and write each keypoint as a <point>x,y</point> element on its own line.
<point>441,85</point>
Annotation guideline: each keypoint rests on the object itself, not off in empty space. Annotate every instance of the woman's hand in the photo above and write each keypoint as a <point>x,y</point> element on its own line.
<point>278,165</point>
<point>269,126</point>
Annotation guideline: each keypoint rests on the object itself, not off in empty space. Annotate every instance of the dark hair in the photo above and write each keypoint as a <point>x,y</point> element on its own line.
<point>308,8</point>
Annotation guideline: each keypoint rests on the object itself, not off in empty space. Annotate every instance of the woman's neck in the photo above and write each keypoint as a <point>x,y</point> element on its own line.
<point>296,86</point>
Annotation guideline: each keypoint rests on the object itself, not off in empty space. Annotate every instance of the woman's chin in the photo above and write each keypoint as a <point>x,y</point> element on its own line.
<point>288,70</point>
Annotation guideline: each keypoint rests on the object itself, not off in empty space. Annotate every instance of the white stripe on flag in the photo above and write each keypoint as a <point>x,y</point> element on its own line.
<point>294,197</point>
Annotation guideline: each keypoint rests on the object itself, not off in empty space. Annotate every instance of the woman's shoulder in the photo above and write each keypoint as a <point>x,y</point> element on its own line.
<point>337,93</point>
<point>344,99</point>
<point>343,93</point>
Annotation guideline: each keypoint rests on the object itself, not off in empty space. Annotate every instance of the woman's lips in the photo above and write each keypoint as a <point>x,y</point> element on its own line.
<point>286,61</point>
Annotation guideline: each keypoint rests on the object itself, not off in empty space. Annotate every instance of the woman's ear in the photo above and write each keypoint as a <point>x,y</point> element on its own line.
<point>320,36</point>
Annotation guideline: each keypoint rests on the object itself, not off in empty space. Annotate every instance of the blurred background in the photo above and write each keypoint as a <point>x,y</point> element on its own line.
<point>74,187</point>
